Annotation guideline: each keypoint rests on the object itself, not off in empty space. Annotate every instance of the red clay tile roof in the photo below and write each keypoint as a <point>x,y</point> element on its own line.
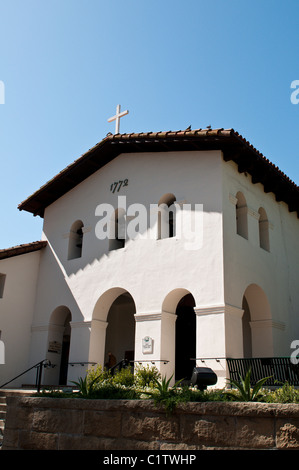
<point>233,145</point>
<point>22,249</point>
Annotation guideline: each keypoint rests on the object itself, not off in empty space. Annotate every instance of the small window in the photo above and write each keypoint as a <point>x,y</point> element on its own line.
<point>264,230</point>
<point>241,216</point>
<point>117,235</point>
<point>2,282</point>
<point>76,240</point>
<point>166,216</point>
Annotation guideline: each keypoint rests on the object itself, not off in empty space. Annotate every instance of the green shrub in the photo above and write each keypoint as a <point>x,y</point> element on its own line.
<point>146,376</point>
<point>123,376</point>
<point>285,394</point>
<point>114,391</point>
<point>193,395</point>
<point>97,374</point>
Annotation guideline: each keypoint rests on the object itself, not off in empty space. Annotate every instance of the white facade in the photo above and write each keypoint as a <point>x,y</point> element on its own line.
<point>16,311</point>
<point>99,299</point>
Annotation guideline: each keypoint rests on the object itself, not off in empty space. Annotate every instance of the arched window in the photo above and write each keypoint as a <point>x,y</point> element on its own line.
<point>264,230</point>
<point>117,236</point>
<point>76,240</point>
<point>2,282</point>
<point>241,216</point>
<point>166,216</point>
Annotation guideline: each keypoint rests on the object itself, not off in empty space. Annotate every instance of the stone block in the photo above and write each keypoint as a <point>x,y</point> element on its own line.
<point>79,442</point>
<point>150,427</point>
<point>133,444</point>
<point>102,424</point>
<point>10,439</point>
<point>255,433</point>
<point>52,420</point>
<point>208,431</point>
<point>287,434</point>
<point>18,417</point>
<point>37,441</point>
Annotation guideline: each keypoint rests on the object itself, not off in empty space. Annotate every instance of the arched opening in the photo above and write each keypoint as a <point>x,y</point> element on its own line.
<point>256,323</point>
<point>241,216</point>
<point>120,333</point>
<point>113,327</point>
<point>59,340</point>
<point>247,339</point>
<point>117,234</point>
<point>185,338</point>
<point>2,283</point>
<point>76,240</point>
<point>166,216</point>
<point>264,230</point>
<point>181,303</point>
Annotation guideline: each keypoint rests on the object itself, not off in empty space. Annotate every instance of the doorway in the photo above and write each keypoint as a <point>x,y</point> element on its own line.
<point>120,333</point>
<point>59,340</point>
<point>185,338</point>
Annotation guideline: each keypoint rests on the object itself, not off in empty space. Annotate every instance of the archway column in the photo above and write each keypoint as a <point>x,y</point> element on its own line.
<point>79,350</point>
<point>97,341</point>
<point>155,341</point>
<point>219,335</point>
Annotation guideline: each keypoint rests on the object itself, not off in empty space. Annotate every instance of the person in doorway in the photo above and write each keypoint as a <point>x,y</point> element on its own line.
<point>111,360</point>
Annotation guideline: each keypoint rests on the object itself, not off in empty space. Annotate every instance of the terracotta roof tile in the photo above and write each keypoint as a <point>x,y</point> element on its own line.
<point>22,249</point>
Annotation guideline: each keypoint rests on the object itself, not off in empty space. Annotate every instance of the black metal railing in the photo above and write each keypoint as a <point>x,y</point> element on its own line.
<point>120,365</point>
<point>72,364</point>
<point>280,369</point>
<point>39,370</point>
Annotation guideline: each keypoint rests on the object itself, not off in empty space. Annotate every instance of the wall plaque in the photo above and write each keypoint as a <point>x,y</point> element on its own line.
<point>54,347</point>
<point>147,345</point>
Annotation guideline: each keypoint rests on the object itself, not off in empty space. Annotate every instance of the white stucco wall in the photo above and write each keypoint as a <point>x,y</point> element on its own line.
<point>16,314</point>
<point>245,263</point>
<point>150,270</point>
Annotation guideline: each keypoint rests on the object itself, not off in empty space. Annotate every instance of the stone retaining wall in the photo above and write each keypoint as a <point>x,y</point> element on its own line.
<point>69,424</point>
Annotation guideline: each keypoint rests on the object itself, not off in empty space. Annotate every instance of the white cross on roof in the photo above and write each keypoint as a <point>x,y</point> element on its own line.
<point>117,117</point>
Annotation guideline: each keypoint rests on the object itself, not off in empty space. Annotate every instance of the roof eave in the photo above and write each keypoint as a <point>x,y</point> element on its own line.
<point>233,145</point>
<point>22,249</point>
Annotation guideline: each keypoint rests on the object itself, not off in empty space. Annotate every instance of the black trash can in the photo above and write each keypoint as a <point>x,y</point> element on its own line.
<point>202,377</point>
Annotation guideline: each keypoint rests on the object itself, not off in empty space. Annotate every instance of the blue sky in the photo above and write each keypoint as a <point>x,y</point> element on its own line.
<point>66,65</point>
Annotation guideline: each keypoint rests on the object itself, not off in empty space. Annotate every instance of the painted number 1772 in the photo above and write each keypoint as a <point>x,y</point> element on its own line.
<point>115,187</point>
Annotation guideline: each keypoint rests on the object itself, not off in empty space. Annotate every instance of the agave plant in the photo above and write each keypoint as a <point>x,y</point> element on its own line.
<point>85,386</point>
<point>246,391</point>
<point>164,394</point>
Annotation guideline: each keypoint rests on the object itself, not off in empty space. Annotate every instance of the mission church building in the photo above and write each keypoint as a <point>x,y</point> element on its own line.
<point>157,298</point>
